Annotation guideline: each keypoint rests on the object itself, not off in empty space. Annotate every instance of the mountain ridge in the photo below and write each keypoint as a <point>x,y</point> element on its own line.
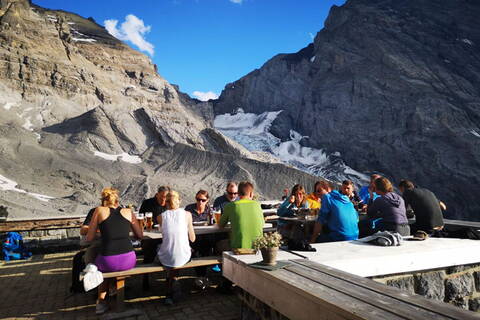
<point>80,110</point>
<point>392,86</point>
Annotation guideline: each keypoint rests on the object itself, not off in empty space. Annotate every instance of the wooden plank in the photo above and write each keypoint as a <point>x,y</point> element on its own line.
<point>291,295</point>
<point>461,223</point>
<point>151,268</point>
<point>444,309</point>
<point>364,294</point>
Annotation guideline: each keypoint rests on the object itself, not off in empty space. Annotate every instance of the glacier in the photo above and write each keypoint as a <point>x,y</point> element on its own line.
<point>253,132</point>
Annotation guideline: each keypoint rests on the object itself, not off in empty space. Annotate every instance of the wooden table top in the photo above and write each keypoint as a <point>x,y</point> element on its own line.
<point>201,230</point>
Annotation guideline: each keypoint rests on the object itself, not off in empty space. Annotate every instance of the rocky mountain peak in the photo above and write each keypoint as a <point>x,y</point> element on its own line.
<point>81,110</point>
<point>392,86</point>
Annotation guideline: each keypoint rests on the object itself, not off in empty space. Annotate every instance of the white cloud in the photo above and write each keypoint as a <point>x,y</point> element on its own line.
<point>237,1</point>
<point>205,96</point>
<point>312,36</point>
<point>132,29</point>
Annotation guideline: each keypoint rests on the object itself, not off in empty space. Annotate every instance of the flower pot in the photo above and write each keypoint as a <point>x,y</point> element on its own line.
<point>269,256</point>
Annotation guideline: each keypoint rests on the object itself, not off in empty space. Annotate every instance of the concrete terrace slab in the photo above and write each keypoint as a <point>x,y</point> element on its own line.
<point>39,289</point>
<point>368,260</point>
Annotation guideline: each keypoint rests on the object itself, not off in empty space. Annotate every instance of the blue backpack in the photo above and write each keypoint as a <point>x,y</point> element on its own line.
<point>13,248</point>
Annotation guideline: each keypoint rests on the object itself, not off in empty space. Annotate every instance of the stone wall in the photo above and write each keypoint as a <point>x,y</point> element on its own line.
<point>51,240</point>
<point>254,309</point>
<point>458,285</point>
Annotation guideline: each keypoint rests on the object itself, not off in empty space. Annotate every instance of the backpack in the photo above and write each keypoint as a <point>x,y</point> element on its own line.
<point>77,266</point>
<point>13,248</point>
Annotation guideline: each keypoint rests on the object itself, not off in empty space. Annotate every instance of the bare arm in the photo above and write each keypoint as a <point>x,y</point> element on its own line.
<point>191,232</point>
<point>137,231</point>
<point>83,230</point>
<point>93,226</point>
<point>316,231</point>
<point>159,220</point>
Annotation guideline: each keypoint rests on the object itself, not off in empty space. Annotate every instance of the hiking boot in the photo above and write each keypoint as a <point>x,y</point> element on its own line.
<point>201,283</point>
<point>101,308</point>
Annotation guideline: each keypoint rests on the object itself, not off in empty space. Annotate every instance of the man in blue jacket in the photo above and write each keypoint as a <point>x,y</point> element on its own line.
<point>337,219</point>
<point>365,194</point>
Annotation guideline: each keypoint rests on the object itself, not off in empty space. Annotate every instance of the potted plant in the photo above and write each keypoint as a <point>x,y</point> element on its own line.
<point>268,245</point>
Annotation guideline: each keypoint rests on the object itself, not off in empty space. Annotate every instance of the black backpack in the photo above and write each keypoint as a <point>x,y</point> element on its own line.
<point>77,266</point>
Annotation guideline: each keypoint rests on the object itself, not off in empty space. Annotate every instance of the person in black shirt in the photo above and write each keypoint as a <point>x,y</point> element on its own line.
<point>425,205</point>
<point>203,246</point>
<point>230,195</point>
<point>200,210</point>
<point>157,204</point>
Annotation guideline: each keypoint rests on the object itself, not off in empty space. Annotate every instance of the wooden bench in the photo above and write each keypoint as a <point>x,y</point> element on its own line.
<point>144,269</point>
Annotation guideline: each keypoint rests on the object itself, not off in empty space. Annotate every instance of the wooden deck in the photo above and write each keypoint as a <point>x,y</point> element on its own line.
<point>308,290</point>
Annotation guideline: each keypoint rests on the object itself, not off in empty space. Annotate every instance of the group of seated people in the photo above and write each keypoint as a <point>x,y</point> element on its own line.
<point>380,207</point>
<point>108,227</point>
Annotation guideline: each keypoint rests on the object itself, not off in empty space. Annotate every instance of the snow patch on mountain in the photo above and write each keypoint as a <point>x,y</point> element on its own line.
<point>125,157</point>
<point>475,133</point>
<point>9,105</point>
<point>253,132</point>
<point>10,185</point>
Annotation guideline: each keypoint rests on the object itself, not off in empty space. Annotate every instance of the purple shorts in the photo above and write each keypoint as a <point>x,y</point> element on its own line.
<point>118,262</point>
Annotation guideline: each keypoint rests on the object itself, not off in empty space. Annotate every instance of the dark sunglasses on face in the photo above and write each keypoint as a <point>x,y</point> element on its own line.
<point>232,193</point>
<point>202,200</point>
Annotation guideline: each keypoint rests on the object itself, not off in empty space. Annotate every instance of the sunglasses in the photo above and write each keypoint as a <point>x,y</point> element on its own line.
<point>232,193</point>
<point>202,200</point>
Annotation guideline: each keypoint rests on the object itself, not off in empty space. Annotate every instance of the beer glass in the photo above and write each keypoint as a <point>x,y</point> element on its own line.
<point>149,221</point>
<point>141,220</point>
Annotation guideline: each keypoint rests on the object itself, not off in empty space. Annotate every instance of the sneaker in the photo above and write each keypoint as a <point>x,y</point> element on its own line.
<point>101,308</point>
<point>201,283</point>
<point>216,268</point>
<point>168,301</point>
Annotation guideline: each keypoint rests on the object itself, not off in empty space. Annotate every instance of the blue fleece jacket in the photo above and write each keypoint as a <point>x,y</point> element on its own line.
<point>339,215</point>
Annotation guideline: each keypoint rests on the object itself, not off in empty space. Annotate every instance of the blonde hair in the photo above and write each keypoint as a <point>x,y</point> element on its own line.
<point>110,197</point>
<point>171,196</point>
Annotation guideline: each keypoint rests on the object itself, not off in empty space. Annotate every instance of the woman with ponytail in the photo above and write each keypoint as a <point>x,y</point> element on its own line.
<point>116,254</point>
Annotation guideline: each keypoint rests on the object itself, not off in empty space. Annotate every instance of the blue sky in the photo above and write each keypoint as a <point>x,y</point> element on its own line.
<point>202,45</point>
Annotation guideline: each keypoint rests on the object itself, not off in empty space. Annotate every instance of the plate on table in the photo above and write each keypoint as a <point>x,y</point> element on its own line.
<point>200,223</point>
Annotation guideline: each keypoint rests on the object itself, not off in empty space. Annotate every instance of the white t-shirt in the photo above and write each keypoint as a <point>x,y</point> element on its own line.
<point>175,248</point>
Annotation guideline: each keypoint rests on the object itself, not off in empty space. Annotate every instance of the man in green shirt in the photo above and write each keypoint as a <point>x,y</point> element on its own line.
<point>245,216</point>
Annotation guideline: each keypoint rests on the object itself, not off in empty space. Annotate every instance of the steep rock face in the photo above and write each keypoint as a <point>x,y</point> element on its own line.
<point>63,66</point>
<point>80,110</point>
<point>392,85</point>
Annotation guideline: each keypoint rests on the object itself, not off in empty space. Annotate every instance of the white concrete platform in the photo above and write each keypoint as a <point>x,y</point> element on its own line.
<point>368,260</point>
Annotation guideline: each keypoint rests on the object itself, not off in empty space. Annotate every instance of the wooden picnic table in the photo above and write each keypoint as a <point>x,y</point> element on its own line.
<point>202,230</point>
<point>305,289</point>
